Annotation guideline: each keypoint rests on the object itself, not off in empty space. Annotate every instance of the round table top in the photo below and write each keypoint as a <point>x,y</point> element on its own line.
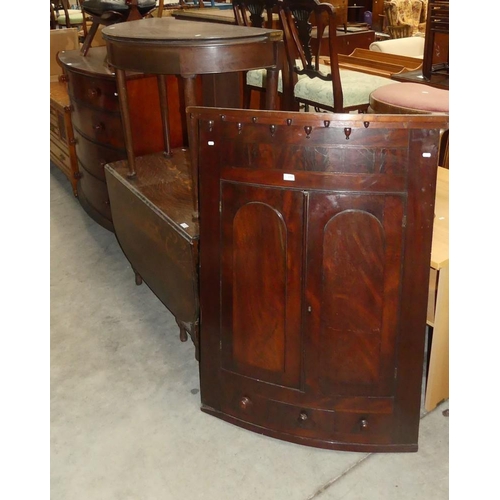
<point>169,46</point>
<point>170,30</point>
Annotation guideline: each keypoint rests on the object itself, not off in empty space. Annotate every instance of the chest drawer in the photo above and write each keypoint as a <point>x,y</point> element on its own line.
<point>104,128</point>
<point>96,92</point>
<point>60,156</point>
<point>93,156</point>
<point>96,194</point>
<point>57,124</point>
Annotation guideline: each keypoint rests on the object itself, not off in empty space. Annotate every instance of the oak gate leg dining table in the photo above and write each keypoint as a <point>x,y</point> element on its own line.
<point>154,198</point>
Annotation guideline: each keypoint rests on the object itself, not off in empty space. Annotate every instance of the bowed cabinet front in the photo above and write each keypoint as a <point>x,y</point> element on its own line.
<point>314,263</point>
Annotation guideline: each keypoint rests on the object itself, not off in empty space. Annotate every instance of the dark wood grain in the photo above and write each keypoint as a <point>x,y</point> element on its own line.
<point>97,122</point>
<point>152,217</point>
<point>315,237</point>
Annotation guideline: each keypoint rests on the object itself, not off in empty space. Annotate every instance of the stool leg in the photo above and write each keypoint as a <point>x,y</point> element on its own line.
<point>162,91</point>
<point>127,130</point>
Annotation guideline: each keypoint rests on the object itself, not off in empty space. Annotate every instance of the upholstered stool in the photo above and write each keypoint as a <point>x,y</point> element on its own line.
<point>409,98</point>
<point>412,98</point>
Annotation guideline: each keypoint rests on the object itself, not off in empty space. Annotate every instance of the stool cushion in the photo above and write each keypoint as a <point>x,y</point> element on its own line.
<point>413,96</point>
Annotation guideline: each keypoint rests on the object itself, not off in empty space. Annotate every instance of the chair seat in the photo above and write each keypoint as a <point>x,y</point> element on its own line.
<point>356,87</point>
<point>409,97</point>
<point>75,17</point>
<point>98,7</point>
<point>257,78</point>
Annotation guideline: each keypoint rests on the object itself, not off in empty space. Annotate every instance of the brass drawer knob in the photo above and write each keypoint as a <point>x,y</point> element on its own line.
<point>245,403</point>
<point>363,424</point>
<point>303,416</point>
<point>93,93</point>
<point>99,127</point>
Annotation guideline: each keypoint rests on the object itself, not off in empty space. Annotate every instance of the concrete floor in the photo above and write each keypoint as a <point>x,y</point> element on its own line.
<point>125,417</point>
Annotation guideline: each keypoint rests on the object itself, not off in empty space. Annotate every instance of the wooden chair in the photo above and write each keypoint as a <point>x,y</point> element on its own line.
<point>105,13</point>
<point>324,86</point>
<point>63,16</point>
<point>256,14</point>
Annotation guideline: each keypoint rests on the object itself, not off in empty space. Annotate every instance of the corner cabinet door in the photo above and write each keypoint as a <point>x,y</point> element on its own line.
<point>353,296</point>
<point>261,259</point>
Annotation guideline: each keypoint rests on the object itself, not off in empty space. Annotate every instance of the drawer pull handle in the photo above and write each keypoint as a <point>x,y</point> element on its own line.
<point>303,416</point>
<point>99,127</point>
<point>363,424</point>
<point>245,403</point>
<point>93,93</point>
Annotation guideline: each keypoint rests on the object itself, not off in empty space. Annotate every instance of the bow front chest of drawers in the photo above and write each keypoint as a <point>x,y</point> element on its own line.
<point>97,123</point>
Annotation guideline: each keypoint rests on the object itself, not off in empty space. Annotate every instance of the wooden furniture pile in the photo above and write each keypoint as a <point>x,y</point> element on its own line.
<point>97,123</point>
<point>153,200</point>
<point>294,248</point>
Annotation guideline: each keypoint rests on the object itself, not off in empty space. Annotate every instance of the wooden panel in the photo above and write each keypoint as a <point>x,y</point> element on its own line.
<point>349,200</point>
<point>160,243</point>
<point>356,290</point>
<point>260,318</point>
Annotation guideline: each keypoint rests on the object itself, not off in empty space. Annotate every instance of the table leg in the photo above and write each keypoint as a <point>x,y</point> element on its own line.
<point>272,79</point>
<point>162,91</point>
<point>127,130</point>
<point>190,100</point>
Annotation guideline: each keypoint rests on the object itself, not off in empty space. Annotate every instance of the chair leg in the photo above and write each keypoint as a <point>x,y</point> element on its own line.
<point>88,39</point>
<point>247,96</point>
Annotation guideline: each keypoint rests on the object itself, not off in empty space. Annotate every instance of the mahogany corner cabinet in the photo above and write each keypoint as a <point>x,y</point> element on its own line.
<point>315,244</point>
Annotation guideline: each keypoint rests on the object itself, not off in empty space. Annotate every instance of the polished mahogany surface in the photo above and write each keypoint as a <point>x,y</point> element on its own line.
<point>187,47</point>
<point>162,251</point>
<point>315,240</point>
<point>97,122</point>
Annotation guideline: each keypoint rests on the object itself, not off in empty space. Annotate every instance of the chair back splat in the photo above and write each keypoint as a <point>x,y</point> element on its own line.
<point>251,12</point>
<point>319,81</point>
<point>259,14</point>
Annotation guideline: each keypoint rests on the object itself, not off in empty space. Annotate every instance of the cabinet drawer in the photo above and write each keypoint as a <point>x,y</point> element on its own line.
<point>96,92</point>
<point>280,417</point>
<point>97,126</point>
<point>57,124</point>
<point>60,156</point>
<point>93,156</point>
<point>363,427</point>
<point>96,194</point>
<point>348,427</point>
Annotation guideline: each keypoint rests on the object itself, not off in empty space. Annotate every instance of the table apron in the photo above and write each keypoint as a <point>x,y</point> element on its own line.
<point>191,60</point>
